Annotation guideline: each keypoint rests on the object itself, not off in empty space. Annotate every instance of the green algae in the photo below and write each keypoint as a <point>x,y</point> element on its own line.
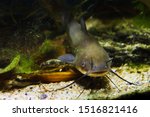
<point>25,66</point>
<point>142,21</point>
<point>45,47</point>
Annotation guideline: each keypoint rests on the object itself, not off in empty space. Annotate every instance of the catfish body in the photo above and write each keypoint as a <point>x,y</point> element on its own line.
<point>90,58</point>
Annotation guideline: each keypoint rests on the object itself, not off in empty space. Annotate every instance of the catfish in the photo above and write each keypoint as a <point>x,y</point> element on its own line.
<point>91,59</point>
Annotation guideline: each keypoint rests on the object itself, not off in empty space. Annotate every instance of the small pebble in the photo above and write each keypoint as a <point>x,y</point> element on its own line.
<point>43,96</point>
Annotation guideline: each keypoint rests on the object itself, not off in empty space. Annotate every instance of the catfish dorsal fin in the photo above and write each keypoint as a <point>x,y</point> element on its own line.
<point>83,25</point>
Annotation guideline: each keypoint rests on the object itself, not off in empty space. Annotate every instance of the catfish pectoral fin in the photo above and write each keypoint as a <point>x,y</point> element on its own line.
<point>67,58</point>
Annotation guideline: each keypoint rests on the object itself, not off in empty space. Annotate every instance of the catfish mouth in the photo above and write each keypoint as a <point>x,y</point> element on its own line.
<point>93,73</point>
<point>97,74</point>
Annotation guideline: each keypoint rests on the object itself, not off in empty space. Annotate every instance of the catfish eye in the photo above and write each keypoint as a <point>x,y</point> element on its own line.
<point>105,66</point>
<point>83,64</point>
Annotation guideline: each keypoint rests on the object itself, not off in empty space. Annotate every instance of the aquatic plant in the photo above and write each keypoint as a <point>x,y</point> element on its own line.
<point>25,65</point>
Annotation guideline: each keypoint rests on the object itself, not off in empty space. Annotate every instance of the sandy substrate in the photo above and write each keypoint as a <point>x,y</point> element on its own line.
<point>109,91</point>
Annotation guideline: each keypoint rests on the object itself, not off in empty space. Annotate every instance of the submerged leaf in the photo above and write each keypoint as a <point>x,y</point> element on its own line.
<point>11,66</point>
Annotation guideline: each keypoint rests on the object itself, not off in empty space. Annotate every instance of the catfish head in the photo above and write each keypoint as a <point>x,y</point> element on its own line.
<point>92,60</point>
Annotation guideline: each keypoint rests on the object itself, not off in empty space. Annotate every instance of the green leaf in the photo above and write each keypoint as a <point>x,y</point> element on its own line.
<point>12,65</point>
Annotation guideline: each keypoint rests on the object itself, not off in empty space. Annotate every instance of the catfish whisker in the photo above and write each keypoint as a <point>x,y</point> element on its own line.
<point>64,86</point>
<point>70,83</point>
<point>110,60</point>
<point>112,82</point>
<point>80,94</point>
<point>130,83</point>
